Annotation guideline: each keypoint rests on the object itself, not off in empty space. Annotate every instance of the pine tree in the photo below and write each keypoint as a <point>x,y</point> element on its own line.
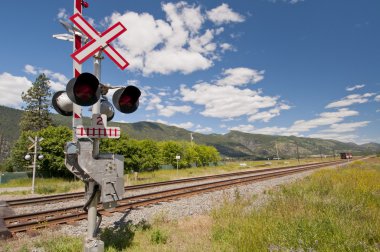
<point>37,101</point>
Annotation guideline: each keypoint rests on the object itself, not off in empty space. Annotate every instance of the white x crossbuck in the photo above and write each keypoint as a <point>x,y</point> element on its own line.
<point>98,41</point>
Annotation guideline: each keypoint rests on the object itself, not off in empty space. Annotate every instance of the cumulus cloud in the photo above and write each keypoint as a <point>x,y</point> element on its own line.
<point>12,86</point>
<point>184,125</point>
<point>336,136</point>
<point>248,128</point>
<point>203,130</point>
<point>226,47</point>
<point>240,76</point>
<point>57,81</point>
<point>29,69</point>
<point>226,101</point>
<point>170,110</point>
<point>345,127</point>
<point>355,87</point>
<point>178,44</point>
<point>266,116</point>
<point>351,99</point>
<point>324,119</point>
<point>287,1</point>
<point>224,14</point>
<point>154,102</point>
<point>377,98</point>
<point>62,14</point>
<point>298,127</point>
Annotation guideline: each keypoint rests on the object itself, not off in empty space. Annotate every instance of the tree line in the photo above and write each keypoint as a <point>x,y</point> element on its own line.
<point>139,155</point>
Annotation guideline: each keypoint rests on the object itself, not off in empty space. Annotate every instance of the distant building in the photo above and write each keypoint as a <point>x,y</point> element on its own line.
<point>346,155</point>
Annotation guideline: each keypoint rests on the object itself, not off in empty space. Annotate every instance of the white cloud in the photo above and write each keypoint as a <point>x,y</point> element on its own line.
<point>351,99</point>
<point>30,69</point>
<point>345,127</point>
<point>377,98</point>
<point>336,136</point>
<point>226,47</point>
<point>240,76</point>
<point>226,101</point>
<point>248,128</point>
<point>355,87</point>
<point>224,14</point>
<point>203,130</point>
<point>185,125</point>
<point>266,116</point>
<point>178,44</point>
<point>12,86</point>
<point>170,110</point>
<point>294,1</point>
<point>62,14</point>
<point>287,1</point>
<point>57,81</point>
<point>181,60</point>
<point>324,119</point>
<point>154,102</point>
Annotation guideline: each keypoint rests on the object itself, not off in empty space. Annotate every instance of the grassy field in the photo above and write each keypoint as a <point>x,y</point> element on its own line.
<point>163,175</point>
<point>331,210</point>
<point>55,185</point>
<point>43,186</point>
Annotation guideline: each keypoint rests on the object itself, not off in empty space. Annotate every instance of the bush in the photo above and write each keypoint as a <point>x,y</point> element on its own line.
<point>118,237</point>
<point>158,237</point>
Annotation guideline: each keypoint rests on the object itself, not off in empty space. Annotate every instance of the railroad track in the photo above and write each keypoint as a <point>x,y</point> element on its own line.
<point>68,215</point>
<point>79,195</point>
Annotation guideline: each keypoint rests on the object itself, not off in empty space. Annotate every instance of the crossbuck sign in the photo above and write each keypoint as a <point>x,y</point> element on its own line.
<point>99,41</point>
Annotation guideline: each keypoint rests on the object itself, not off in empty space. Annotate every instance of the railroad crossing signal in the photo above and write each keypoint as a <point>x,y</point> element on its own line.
<point>99,129</point>
<point>99,41</point>
<point>102,173</point>
<point>85,90</point>
<point>34,142</point>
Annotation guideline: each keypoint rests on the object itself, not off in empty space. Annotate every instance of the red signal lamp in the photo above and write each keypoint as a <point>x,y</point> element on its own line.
<point>126,100</point>
<point>84,90</point>
<point>85,4</point>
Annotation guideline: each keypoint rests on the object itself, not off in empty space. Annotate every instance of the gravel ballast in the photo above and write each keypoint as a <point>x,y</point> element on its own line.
<point>195,205</point>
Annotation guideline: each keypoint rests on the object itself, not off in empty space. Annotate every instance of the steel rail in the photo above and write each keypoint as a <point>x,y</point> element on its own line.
<point>25,222</point>
<point>73,196</point>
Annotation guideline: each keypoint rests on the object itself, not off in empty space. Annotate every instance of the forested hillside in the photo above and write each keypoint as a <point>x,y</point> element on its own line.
<point>233,144</point>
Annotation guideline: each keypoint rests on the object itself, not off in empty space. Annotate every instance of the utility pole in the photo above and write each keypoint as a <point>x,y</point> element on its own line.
<point>298,154</point>
<point>178,157</point>
<point>35,145</point>
<point>278,158</point>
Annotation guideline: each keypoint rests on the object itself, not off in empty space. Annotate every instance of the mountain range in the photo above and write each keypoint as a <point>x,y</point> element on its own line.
<point>234,144</point>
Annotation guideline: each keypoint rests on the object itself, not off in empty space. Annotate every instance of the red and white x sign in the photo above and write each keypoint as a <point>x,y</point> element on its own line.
<point>98,41</point>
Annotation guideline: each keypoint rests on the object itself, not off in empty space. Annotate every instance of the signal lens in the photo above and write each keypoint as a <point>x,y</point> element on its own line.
<point>126,100</point>
<point>84,90</point>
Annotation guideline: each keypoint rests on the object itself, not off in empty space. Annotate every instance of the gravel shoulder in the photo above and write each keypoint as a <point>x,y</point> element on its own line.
<point>177,209</point>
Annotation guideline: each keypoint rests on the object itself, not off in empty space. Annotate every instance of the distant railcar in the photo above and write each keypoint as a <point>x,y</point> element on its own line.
<point>346,155</point>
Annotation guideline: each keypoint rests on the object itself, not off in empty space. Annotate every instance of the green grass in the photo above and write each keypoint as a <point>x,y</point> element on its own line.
<point>57,185</point>
<point>332,210</point>
<point>164,175</point>
<point>43,186</point>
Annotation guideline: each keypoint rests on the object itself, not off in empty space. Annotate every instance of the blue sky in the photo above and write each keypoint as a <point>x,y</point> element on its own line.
<point>281,67</point>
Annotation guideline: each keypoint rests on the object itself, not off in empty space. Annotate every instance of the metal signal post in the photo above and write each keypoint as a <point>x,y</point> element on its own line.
<point>35,145</point>
<point>102,173</point>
